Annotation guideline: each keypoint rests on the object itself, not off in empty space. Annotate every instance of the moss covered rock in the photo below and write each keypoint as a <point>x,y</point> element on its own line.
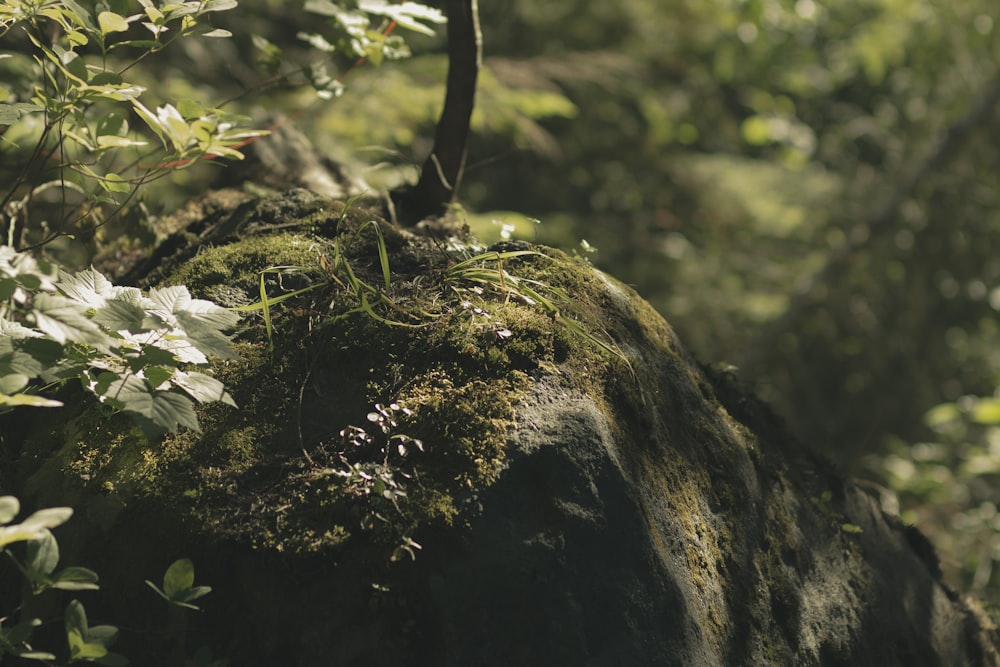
<point>450,455</point>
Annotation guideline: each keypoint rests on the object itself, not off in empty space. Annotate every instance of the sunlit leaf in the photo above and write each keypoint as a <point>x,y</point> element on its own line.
<point>111,22</point>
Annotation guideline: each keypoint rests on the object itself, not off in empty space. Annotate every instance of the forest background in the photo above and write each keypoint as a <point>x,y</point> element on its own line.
<point>808,192</point>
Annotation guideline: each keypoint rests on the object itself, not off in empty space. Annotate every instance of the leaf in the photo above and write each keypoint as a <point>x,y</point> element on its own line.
<point>11,113</point>
<point>86,643</point>
<point>156,376</point>
<point>407,15</point>
<point>105,635</point>
<point>13,383</point>
<point>217,33</point>
<point>9,507</point>
<point>15,330</point>
<point>121,315</point>
<point>162,411</point>
<point>114,141</point>
<point>111,22</point>
<point>80,649</point>
<point>122,390</point>
<point>114,183</point>
<point>203,388</point>
<point>29,356</point>
<point>42,554</point>
<point>63,320</point>
<point>75,619</point>
<point>28,400</point>
<point>170,410</point>
<point>941,414</point>
<point>219,5</point>
<point>178,578</point>
<point>88,287</point>
<point>75,578</point>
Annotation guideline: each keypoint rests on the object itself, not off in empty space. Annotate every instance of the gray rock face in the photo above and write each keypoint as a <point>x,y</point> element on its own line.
<point>581,557</point>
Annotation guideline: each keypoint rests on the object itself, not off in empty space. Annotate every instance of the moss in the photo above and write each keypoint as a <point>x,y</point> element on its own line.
<point>230,274</point>
<point>271,472</point>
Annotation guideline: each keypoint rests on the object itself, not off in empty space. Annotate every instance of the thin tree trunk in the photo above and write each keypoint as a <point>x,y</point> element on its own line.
<point>442,171</point>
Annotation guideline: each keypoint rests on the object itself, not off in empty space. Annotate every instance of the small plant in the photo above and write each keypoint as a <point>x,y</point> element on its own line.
<point>133,351</point>
<point>74,103</point>
<point>178,585</point>
<point>87,642</point>
<point>39,569</point>
<point>369,467</point>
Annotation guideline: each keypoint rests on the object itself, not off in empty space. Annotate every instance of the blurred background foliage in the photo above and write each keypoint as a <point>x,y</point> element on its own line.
<point>806,190</point>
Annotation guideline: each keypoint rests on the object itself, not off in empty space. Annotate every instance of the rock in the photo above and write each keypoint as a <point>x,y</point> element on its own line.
<point>551,480</point>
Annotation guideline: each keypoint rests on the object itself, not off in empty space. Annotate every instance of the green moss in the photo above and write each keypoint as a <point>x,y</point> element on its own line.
<point>225,272</point>
<point>269,472</point>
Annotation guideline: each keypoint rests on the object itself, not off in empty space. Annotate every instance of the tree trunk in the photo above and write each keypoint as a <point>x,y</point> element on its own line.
<point>442,171</point>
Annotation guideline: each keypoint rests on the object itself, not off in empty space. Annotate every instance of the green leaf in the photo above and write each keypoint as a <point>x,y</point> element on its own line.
<point>942,414</point>
<point>9,507</point>
<point>160,411</point>
<point>407,15</point>
<point>111,22</point>
<point>112,123</point>
<point>64,320</point>
<point>121,315</point>
<point>157,375</point>
<point>219,5</point>
<point>77,38</point>
<point>16,330</point>
<point>13,383</point>
<point>190,109</point>
<point>178,578</point>
<point>105,635</point>
<point>203,388</point>
<point>75,578</point>
<point>114,141</point>
<point>114,183</point>
<point>128,391</point>
<point>88,287</point>
<point>11,113</point>
<point>75,619</point>
<point>218,33</point>
<point>42,554</point>
<point>170,410</point>
<point>28,401</point>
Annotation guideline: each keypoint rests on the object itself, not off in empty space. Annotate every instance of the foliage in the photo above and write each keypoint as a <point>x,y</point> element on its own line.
<point>72,103</point>
<point>132,350</point>
<point>84,642</point>
<point>370,467</point>
<point>79,74</point>
<point>178,585</point>
<point>948,486</point>
<point>41,557</point>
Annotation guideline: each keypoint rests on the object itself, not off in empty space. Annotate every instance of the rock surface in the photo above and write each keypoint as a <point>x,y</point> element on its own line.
<point>587,494</point>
